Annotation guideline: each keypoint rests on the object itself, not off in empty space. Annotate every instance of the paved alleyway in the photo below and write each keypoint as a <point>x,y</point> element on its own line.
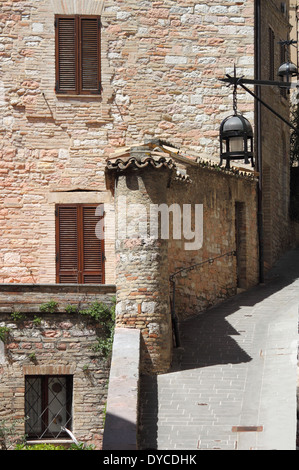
<point>233,381</point>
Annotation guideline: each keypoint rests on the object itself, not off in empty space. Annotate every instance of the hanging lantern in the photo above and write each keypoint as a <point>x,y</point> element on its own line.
<point>236,140</point>
<point>236,137</point>
<point>287,70</point>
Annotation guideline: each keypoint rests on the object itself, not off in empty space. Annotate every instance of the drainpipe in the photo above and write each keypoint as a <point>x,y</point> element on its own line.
<point>258,124</point>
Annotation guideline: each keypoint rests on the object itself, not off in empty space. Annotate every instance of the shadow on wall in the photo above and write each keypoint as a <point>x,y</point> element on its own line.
<point>121,435</point>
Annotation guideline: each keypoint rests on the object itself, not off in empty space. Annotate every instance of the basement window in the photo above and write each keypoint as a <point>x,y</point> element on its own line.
<point>48,406</point>
<point>78,53</point>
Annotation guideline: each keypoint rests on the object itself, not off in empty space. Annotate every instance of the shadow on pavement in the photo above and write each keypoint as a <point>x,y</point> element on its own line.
<point>207,340</point>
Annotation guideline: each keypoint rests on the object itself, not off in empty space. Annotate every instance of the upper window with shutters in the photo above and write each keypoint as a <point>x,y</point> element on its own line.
<point>78,53</point>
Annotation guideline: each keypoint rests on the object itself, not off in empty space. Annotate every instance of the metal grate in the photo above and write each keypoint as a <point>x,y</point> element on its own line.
<point>48,405</point>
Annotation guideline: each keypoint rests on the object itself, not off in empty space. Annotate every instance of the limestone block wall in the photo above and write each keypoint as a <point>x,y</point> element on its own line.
<point>161,63</point>
<point>218,193</point>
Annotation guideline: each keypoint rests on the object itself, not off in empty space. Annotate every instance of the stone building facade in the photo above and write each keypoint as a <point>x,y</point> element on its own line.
<point>275,27</point>
<point>160,70</point>
<point>71,148</point>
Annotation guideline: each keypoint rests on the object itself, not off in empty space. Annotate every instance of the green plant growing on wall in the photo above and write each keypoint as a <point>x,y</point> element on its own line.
<point>4,332</point>
<point>104,315</point>
<point>36,320</point>
<point>98,311</point>
<point>49,307</point>
<point>32,356</point>
<point>71,309</point>
<point>17,316</point>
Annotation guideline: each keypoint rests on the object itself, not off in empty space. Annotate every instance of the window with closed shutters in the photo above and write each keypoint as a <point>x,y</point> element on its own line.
<point>80,253</point>
<point>78,54</point>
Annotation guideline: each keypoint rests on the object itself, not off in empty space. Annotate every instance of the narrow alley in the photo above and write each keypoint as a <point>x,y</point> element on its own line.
<point>233,381</point>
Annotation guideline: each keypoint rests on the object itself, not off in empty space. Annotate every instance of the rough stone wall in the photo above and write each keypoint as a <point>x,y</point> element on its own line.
<point>58,344</point>
<point>211,283</point>
<point>161,64</point>
<point>275,160</point>
<point>27,298</point>
<point>142,268</point>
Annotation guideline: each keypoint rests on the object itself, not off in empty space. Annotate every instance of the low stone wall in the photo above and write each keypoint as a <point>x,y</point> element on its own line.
<point>29,297</point>
<point>51,344</point>
<point>121,425</point>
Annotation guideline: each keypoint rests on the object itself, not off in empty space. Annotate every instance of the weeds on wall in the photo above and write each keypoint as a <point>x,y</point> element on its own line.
<point>98,312</point>
<point>4,332</point>
<point>104,315</point>
<point>49,307</point>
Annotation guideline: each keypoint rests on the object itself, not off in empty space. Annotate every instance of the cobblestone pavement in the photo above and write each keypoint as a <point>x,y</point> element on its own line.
<point>233,382</point>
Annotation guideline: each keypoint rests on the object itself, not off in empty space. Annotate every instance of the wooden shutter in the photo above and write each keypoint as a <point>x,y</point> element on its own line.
<point>90,55</point>
<point>77,54</point>
<point>66,55</point>
<point>80,253</point>
<point>67,245</point>
<point>92,248</point>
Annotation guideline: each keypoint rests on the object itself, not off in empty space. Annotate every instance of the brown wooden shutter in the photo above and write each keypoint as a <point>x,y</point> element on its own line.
<point>92,248</point>
<point>90,55</point>
<point>77,54</point>
<point>67,245</point>
<point>66,55</point>
<point>80,253</point>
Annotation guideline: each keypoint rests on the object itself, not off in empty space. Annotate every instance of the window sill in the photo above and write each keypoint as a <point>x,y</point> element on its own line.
<point>66,95</point>
<point>49,441</point>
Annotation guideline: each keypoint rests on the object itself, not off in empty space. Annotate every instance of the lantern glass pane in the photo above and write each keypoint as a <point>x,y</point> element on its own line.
<point>236,144</point>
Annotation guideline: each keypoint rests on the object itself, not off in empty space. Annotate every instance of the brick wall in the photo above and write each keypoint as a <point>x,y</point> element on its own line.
<point>60,344</point>
<point>161,64</point>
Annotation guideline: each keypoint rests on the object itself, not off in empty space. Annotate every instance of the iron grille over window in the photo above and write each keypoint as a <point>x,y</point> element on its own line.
<point>48,406</point>
<point>78,54</point>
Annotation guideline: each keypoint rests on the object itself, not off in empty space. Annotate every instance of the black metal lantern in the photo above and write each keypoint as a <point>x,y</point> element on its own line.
<point>287,70</point>
<point>236,137</point>
<point>236,140</point>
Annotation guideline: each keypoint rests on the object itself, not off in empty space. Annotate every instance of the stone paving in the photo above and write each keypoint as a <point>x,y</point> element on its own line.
<point>233,381</point>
